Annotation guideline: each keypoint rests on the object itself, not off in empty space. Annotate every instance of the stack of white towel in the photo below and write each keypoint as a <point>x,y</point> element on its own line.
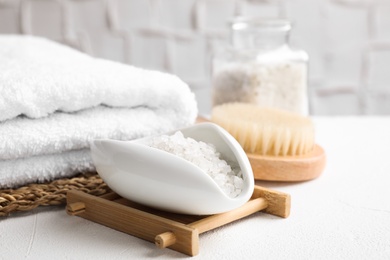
<point>54,100</point>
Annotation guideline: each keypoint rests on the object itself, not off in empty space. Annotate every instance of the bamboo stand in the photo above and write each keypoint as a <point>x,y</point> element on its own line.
<point>176,231</point>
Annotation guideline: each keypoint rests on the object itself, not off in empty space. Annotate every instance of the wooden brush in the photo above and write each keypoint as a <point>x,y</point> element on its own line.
<point>280,145</point>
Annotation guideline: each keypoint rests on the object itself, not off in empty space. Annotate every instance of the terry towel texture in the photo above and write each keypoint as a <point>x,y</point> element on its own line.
<point>54,100</point>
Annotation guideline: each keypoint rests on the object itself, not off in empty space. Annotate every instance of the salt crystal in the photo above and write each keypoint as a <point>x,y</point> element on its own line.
<point>238,182</point>
<point>206,157</point>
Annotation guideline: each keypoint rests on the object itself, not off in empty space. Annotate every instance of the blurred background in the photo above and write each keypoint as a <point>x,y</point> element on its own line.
<point>348,41</point>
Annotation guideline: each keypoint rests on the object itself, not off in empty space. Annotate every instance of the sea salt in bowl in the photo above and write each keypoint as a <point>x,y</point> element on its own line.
<point>163,180</point>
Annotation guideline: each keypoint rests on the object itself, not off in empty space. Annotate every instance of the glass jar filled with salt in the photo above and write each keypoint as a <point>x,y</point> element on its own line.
<point>260,67</point>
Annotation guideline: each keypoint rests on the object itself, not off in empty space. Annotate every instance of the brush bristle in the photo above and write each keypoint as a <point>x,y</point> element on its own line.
<point>266,131</point>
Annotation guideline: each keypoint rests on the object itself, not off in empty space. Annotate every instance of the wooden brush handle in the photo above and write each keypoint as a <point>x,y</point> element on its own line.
<point>288,168</point>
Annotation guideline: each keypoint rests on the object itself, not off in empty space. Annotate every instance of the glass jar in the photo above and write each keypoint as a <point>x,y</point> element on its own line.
<point>260,67</point>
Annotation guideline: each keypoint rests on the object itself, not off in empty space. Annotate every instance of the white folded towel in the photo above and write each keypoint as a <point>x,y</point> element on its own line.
<point>54,100</point>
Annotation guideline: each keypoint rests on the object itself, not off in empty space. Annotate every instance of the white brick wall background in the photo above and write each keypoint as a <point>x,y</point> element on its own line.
<point>348,40</point>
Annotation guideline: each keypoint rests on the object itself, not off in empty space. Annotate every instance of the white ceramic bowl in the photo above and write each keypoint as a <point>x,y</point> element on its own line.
<point>165,181</point>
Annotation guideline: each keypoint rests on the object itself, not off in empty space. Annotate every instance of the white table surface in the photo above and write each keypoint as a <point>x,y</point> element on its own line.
<point>344,214</point>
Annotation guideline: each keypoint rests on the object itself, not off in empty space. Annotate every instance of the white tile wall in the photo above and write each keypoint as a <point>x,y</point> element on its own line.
<point>9,17</point>
<point>181,17</point>
<point>213,15</point>
<point>382,21</point>
<point>36,15</point>
<point>348,40</point>
<point>128,15</point>
<point>379,69</point>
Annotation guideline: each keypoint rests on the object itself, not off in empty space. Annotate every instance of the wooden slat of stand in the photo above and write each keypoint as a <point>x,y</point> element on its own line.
<point>176,231</point>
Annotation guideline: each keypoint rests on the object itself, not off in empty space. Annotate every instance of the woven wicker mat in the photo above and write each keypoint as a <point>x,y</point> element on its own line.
<point>54,193</point>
